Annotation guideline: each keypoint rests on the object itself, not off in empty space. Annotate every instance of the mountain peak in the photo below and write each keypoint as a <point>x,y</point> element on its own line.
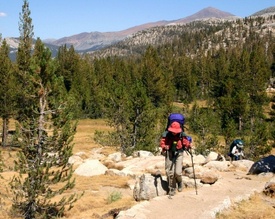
<point>205,13</point>
<point>213,12</point>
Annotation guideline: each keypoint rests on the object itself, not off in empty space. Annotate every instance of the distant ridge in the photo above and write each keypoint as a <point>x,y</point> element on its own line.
<point>269,10</point>
<point>96,40</point>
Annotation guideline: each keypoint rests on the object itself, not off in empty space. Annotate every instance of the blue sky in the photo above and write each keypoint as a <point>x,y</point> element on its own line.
<point>61,18</point>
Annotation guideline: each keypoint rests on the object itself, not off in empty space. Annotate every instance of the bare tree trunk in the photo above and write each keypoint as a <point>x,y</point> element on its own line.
<point>252,124</point>
<point>240,123</point>
<point>5,131</point>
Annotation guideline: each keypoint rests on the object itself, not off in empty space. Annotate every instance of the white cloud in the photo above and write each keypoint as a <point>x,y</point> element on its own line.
<point>2,14</point>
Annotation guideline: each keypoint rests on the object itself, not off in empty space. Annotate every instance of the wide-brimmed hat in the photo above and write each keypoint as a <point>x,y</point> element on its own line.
<point>175,128</point>
<point>239,143</point>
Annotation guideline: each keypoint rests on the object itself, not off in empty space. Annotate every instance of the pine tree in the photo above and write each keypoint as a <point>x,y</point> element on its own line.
<point>183,80</point>
<point>159,86</point>
<point>23,58</point>
<point>272,120</point>
<point>205,123</point>
<point>26,38</point>
<point>127,105</point>
<point>45,132</point>
<point>7,90</point>
<point>68,65</point>
<point>259,75</point>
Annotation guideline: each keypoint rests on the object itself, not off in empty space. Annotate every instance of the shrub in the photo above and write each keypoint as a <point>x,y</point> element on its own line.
<point>114,196</point>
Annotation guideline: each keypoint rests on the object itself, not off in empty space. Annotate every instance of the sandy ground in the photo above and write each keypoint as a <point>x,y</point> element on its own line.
<point>232,187</point>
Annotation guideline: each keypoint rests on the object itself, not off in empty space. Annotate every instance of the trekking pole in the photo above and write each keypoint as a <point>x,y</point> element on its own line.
<point>193,171</point>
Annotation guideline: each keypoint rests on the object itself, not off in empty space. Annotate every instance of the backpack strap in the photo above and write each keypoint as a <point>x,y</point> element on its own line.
<point>182,134</point>
<point>164,134</point>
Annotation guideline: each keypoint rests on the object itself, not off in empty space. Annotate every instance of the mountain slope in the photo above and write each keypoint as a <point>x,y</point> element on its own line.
<point>270,10</point>
<point>96,40</point>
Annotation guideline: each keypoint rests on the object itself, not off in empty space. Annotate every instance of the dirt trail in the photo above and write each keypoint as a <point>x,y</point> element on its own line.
<point>230,188</point>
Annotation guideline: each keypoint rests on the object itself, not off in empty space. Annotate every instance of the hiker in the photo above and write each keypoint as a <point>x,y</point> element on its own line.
<point>173,143</point>
<point>236,150</point>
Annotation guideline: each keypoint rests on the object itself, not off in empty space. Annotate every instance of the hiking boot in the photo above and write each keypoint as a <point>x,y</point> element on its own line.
<point>172,192</point>
<point>180,186</point>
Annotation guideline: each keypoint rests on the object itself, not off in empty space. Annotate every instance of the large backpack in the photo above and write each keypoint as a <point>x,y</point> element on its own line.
<point>176,117</point>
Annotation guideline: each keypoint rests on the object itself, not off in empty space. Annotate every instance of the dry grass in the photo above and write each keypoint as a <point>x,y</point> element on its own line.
<point>257,207</point>
<point>94,203</point>
<point>85,134</point>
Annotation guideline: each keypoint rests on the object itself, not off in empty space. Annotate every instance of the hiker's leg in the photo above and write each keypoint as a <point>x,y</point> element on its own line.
<point>178,171</point>
<point>169,169</point>
<point>178,167</point>
<point>168,162</point>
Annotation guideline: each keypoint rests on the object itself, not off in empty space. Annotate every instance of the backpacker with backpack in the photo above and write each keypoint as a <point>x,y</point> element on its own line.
<point>173,143</point>
<point>239,144</point>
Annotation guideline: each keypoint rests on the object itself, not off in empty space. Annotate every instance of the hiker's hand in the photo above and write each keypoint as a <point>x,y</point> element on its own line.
<point>187,147</point>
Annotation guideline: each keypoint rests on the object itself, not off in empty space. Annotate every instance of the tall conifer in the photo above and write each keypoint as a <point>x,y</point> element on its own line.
<point>7,90</point>
<point>45,133</point>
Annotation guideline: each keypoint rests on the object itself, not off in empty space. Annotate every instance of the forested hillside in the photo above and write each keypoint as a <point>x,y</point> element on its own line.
<point>208,34</point>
